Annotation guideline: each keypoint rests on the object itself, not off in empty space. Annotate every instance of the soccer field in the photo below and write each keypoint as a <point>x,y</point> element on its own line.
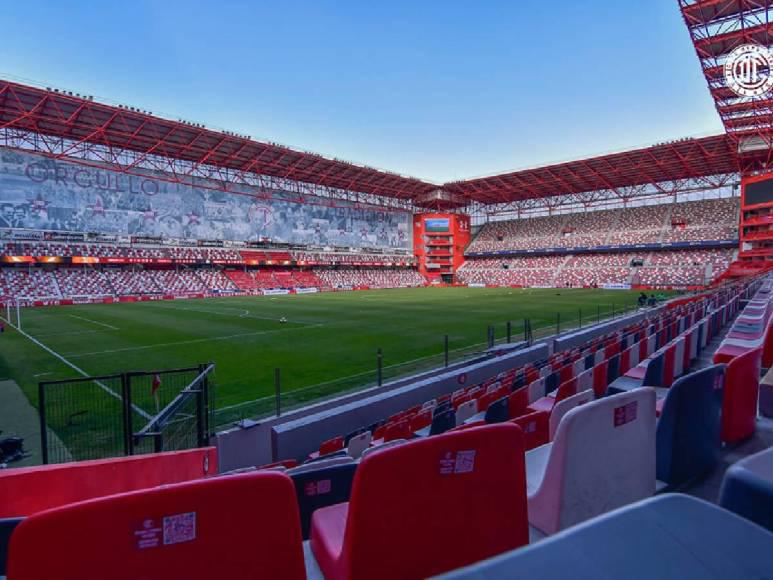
<point>328,343</point>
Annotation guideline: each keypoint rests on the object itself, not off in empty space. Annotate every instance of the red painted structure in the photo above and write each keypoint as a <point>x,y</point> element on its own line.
<point>756,227</point>
<point>439,240</point>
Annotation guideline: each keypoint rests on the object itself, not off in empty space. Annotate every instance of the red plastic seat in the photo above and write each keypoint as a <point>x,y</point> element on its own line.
<point>240,526</point>
<point>518,401</point>
<point>600,379</point>
<point>331,445</point>
<point>416,510</point>
<point>535,427</point>
<point>399,430</point>
<point>421,419</point>
<point>739,400</point>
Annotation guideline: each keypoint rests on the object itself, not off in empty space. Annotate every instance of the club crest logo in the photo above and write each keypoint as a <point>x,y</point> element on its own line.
<point>749,70</point>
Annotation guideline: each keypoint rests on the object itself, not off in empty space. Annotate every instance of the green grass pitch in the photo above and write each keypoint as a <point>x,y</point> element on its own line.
<point>327,345</point>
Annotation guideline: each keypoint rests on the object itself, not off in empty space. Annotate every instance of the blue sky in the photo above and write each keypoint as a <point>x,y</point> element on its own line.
<point>442,90</point>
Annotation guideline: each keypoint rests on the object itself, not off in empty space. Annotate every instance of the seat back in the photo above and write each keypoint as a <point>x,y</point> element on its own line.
<point>613,368</point>
<point>7,525</point>
<point>747,488</point>
<point>653,375</point>
<point>739,400</point>
<point>767,346</point>
<point>379,448</point>
<point>361,442</point>
<point>669,355</point>
<point>465,411</point>
<point>603,457</point>
<point>27,490</point>
<point>600,379</point>
<point>561,408</point>
<point>417,510</point>
<point>517,402</point>
<point>331,446</point>
<point>223,527</point>
<point>536,390</point>
<point>498,411</point>
<point>585,380</point>
<point>535,427</point>
<point>317,488</point>
<point>442,422</point>
<point>399,430</point>
<point>688,434</point>
<point>421,420</point>
<point>679,349</point>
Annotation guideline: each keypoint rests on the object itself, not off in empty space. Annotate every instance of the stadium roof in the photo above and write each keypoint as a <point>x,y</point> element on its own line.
<point>717,27</point>
<point>679,160</point>
<point>80,121</point>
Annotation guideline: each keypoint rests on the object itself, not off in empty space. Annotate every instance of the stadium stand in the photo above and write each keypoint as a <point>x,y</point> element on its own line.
<point>133,282</point>
<point>690,221</point>
<point>75,282</point>
<point>350,278</point>
<point>215,280</point>
<point>22,283</point>
<point>658,269</point>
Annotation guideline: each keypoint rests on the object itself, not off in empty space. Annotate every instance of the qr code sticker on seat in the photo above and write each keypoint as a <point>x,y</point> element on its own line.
<point>179,528</point>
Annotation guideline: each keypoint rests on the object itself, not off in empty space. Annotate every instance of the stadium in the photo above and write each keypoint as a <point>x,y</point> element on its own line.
<point>225,357</point>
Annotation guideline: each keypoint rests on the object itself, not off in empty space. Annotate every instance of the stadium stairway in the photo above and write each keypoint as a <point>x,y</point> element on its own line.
<point>560,268</point>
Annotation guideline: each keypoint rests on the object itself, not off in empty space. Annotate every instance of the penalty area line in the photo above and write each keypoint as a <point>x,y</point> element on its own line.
<point>80,371</point>
<point>110,326</point>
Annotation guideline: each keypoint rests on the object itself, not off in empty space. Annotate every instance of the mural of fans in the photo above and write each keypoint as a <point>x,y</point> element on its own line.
<point>46,194</point>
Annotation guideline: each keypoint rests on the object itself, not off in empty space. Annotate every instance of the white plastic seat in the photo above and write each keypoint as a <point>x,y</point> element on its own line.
<point>585,380</point>
<point>563,407</point>
<point>493,387</point>
<point>602,457</point>
<point>536,390</point>
<point>679,357</point>
<point>381,447</point>
<point>358,444</point>
<point>465,411</point>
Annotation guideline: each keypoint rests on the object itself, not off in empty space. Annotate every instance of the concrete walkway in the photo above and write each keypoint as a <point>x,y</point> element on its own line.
<point>18,418</point>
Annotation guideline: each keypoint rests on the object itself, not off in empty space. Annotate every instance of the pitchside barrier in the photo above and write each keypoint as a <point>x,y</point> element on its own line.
<point>299,432</point>
<point>125,414</point>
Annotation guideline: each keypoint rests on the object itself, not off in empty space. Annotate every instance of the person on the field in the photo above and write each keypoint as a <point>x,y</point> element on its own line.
<point>642,300</point>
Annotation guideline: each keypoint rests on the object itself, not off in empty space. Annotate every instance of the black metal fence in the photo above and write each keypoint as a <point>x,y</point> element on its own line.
<point>125,414</point>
